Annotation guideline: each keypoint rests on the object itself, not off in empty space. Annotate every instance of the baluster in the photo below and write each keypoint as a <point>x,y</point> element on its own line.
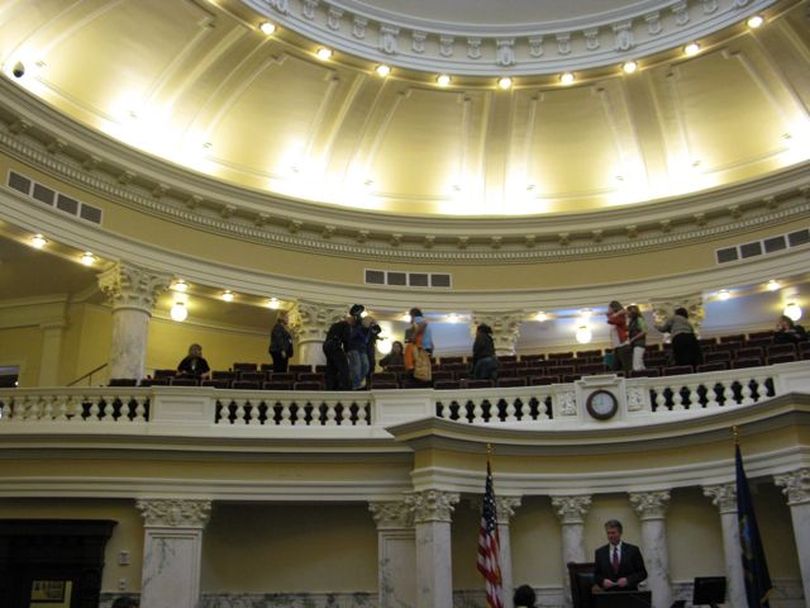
<point>94,409</point>
<point>711,395</point>
<point>478,412</point>
<point>331,413</point>
<point>511,410</point>
<point>677,399</point>
<point>47,408</point>
<point>239,416</point>
<point>362,414</point>
<point>252,414</point>
<point>542,407</point>
<point>286,414</point>
<point>140,411</point>
<point>727,393</point>
<point>660,398</point>
<point>62,408</point>
<point>747,393</point>
<point>694,396</point>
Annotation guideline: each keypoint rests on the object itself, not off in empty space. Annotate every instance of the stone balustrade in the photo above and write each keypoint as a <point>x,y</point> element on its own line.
<point>640,401</point>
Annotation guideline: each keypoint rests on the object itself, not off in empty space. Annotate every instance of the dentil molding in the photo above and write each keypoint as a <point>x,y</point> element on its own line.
<point>416,42</point>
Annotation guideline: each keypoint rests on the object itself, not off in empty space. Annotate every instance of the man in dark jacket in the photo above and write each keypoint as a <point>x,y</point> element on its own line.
<point>619,565</point>
<point>335,348</point>
<point>281,344</point>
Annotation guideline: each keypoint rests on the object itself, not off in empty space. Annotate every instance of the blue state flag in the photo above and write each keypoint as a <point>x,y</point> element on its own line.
<point>757,580</point>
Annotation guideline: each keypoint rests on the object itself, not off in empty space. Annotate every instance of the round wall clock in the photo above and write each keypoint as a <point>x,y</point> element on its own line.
<point>602,404</point>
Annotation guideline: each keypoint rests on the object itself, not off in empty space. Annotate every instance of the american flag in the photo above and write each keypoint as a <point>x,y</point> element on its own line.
<point>489,561</point>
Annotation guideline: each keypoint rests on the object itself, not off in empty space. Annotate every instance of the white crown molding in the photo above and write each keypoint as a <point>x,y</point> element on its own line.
<point>201,202</point>
<point>408,41</point>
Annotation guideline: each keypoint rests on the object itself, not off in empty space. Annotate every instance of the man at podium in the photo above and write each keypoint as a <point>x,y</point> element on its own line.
<point>619,565</point>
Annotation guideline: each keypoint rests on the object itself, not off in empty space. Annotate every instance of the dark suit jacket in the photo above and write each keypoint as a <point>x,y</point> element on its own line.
<point>631,566</point>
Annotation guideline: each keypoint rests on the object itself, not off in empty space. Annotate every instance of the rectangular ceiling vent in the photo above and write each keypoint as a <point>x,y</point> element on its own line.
<point>772,244</point>
<point>398,278</point>
<point>44,195</point>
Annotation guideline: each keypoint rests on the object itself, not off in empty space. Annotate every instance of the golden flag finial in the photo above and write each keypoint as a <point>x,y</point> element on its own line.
<point>736,432</point>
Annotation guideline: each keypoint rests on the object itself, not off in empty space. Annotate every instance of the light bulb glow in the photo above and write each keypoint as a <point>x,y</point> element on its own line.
<point>567,78</point>
<point>723,295</point>
<point>87,259</point>
<point>691,49</point>
<point>505,83</point>
<point>793,311</point>
<point>755,21</point>
<point>273,303</point>
<point>628,67</point>
<point>541,316</point>
<point>584,334</point>
<point>773,285</point>
<point>267,28</point>
<point>180,285</point>
<point>227,295</point>
<point>178,312</point>
<point>383,70</point>
<point>443,80</point>
<point>323,53</point>
<point>38,241</point>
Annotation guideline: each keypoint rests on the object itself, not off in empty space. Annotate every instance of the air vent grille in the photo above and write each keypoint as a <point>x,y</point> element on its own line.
<point>772,244</point>
<point>398,278</point>
<point>42,194</point>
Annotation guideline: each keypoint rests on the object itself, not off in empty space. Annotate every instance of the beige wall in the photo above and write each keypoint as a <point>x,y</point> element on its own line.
<point>22,346</point>
<point>536,544</point>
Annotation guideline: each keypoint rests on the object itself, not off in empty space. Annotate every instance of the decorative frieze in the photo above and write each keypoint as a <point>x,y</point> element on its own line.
<point>392,514</point>
<point>174,513</point>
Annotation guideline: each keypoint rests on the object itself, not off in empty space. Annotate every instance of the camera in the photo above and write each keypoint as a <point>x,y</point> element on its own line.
<point>18,70</point>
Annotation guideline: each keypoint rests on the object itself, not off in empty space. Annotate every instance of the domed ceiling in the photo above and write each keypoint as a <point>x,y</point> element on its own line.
<point>201,85</point>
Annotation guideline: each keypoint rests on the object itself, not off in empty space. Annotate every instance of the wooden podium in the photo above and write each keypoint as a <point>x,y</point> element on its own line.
<point>621,599</point>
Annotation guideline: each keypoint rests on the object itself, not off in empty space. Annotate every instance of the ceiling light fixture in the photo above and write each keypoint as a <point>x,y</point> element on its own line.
<point>443,80</point>
<point>723,295</point>
<point>267,28</point>
<point>227,295</point>
<point>180,285</point>
<point>88,259</point>
<point>567,78</point>
<point>38,241</point>
<point>505,83</point>
<point>755,21</point>
<point>383,70</point>
<point>793,311</point>
<point>584,334</point>
<point>178,312</point>
<point>541,316</point>
<point>773,285</point>
<point>273,303</point>
<point>628,67</point>
<point>323,53</point>
<point>691,49</point>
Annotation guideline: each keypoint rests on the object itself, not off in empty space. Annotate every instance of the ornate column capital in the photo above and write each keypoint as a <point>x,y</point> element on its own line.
<point>692,303</point>
<point>795,485</point>
<point>432,505</point>
<point>174,513</point>
<point>505,328</point>
<point>724,496</point>
<point>650,505</point>
<point>392,514</point>
<point>571,509</point>
<point>505,506</point>
<point>311,320</point>
<point>129,286</point>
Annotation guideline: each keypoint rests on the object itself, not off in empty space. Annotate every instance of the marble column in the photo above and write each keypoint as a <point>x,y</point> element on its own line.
<point>132,291</point>
<point>651,508</point>
<point>505,328</point>
<point>693,303</point>
<point>432,511</point>
<point>724,497</point>
<point>51,353</point>
<point>309,322</point>
<point>571,510</point>
<point>796,487</point>
<point>396,554</point>
<point>172,551</point>
<point>505,506</point>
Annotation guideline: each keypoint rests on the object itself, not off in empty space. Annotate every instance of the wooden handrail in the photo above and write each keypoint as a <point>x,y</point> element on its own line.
<point>88,374</point>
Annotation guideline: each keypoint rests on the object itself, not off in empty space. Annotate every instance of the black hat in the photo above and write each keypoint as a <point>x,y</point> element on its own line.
<point>356,310</point>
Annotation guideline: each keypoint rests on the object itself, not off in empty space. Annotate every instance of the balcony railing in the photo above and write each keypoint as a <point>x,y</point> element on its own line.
<point>189,410</point>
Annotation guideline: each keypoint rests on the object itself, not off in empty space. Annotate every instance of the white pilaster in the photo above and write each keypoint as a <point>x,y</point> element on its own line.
<point>132,291</point>
<point>506,505</point>
<point>172,551</point>
<point>724,497</point>
<point>396,554</point>
<point>651,508</point>
<point>432,511</point>
<point>309,322</point>
<point>51,353</point>
<point>796,487</point>
<point>505,328</point>
<point>571,510</point>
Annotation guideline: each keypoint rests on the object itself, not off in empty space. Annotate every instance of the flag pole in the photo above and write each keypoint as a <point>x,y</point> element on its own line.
<point>735,430</point>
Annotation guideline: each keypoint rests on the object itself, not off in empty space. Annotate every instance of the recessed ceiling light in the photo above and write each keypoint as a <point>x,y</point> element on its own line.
<point>178,312</point>
<point>267,28</point>
<point>691,49</point>
<point>628,67</point>
<point>273,303</point>
<point>88,259</point>
<point>383,70</point>
<point>38,241</point>
<point>773,285</point>
<point>567,78</point>
<point>505,83</point>
<point>443,80</point>
<point>323,53</point>
<point>723,295</point>
<point>180,285</point>
<point>755,21</point>
<point>227,295</point>
<point>541,316</point>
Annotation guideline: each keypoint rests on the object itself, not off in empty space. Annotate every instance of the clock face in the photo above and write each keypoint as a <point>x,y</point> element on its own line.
<point>602,404</point>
